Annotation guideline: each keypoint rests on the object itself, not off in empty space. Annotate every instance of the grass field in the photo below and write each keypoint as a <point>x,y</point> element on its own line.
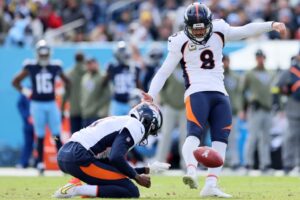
<point>163,187</point>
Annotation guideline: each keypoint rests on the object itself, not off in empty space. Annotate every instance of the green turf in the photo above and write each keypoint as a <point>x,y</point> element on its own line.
<point>268,188</point>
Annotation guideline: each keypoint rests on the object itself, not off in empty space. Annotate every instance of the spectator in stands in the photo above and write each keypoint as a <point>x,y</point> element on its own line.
<point>16,34</point>
<point>74,94</point>
<point>36,27</point>
<point>94,97</point>
<point>257,85</point>
<point>297,21</point>
<point>148,20</point>
<point>124,77</point>
<point>28,133</point>
<point>72,12</point>
<point>145,30</point>
<point>232,84</point>
<point>91,12</point>
<point>50,18</point>
<point>174,115</point>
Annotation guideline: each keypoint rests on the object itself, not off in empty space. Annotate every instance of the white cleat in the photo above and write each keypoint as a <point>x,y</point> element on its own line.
<point>213,191</point>
<point>191,181</point>
<point>67,191</point>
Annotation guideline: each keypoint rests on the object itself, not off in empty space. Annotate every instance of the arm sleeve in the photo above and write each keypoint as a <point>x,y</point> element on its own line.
<point>140,170</point>
<point>163,73</point>
<point>248,30</point>
<point>119,149</point>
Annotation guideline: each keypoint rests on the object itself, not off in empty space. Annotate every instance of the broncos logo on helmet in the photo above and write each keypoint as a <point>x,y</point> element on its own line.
<point>198,23</point>
<point>150,116</point>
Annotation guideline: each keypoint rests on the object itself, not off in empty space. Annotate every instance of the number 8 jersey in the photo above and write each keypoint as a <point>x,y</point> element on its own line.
<point>43,79</point>
<point>201,64</point>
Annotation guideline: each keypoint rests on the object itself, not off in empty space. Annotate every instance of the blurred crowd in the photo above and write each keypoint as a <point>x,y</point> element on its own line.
<point>23,22</point>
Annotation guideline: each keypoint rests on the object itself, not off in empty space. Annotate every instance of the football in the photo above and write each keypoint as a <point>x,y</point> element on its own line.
<point>208,157</point>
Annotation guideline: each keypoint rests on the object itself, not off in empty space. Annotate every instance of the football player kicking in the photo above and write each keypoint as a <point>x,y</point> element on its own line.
<point>96,155</point>
<point>198,48</point>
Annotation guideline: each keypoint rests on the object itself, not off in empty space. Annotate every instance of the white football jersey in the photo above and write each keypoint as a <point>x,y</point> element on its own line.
<point>106,129</point>
<point>202,64</point>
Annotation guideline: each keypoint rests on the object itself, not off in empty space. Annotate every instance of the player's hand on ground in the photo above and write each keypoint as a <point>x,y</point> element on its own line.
<point>279,27</point>
<point>158,167</point>
<point>143,180</point>
<point>147,97</point>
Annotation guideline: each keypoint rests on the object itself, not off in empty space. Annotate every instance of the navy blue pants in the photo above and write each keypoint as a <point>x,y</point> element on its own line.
<point>209,108</point>
<point>75,160</point>
<point>28,144</point>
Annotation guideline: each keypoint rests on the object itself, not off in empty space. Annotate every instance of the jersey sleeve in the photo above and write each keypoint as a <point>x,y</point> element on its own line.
<point>26,64</point>
<point>232,33</point>
<point>136,130</point>
<point>119,149</point>
<point>248,30</point>
<point>175,43</point>
<point>220,26</point>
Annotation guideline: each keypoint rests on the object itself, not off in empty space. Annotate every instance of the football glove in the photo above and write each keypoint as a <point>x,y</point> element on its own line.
<point>26,92</point>
<point>158,167</point>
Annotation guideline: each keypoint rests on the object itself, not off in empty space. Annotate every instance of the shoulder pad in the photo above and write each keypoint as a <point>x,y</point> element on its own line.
<point>56,63</point>
<point>176,41</point>
<point>29,62</point>
<point>219,25</point>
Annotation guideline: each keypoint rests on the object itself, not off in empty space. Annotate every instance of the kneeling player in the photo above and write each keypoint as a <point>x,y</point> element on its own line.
<point>96,155</point>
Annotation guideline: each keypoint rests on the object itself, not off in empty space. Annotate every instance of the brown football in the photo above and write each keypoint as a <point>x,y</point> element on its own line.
<point>208,157</point>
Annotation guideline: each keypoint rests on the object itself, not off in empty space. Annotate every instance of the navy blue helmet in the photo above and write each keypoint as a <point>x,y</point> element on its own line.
<point>150,116</point>
<point>198,23</point>
<point>122,52</point>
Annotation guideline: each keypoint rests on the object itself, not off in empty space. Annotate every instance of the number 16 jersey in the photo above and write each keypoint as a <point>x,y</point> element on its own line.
<point>43,79</point>
<point>201,64</point>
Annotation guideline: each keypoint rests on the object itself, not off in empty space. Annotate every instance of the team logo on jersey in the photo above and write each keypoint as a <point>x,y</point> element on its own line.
<point>192,47</point>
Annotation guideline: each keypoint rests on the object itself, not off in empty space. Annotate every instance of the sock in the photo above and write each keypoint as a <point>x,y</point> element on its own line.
<point>213,173</point>
<point>87,190</point>
<point>40,150</point>
<point>190,144</point>
<point>57,142</point>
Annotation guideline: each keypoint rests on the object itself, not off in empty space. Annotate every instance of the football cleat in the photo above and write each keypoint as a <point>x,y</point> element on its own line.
<point>213,191</point>
<point>191,181</point>
<point>68,190</point>
<point>41,168</point>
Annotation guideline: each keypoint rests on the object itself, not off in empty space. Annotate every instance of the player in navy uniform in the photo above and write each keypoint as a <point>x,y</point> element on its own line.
<point>124,78</point>
<point>96,155</point>
<point>43,108</point>
<point>152,63</point>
